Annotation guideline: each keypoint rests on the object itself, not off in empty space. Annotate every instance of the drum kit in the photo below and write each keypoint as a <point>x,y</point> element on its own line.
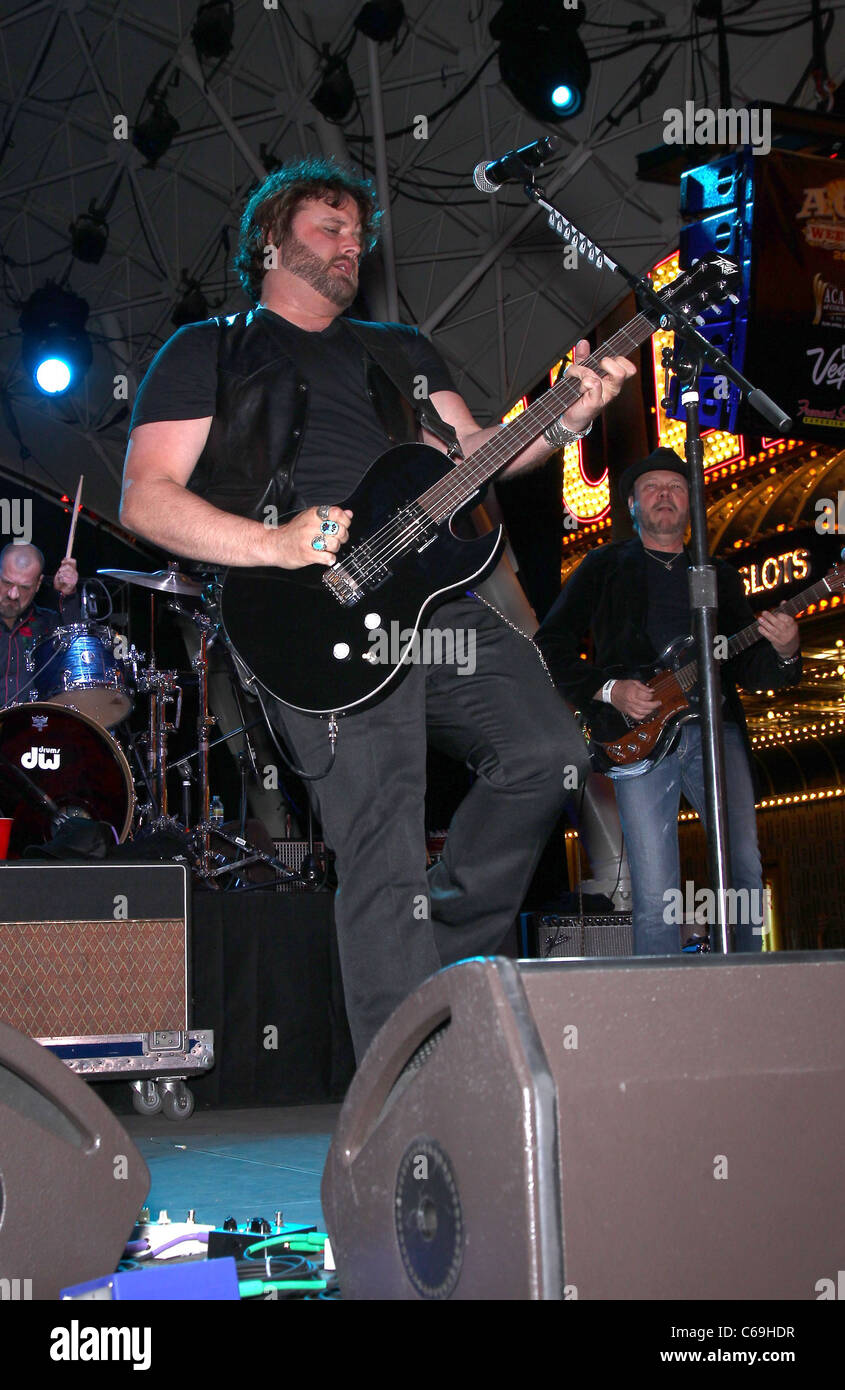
<point>63,756</point>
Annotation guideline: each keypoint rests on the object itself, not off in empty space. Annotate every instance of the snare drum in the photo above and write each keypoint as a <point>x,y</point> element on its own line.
<point>49,751</point>
<point>76,666</point>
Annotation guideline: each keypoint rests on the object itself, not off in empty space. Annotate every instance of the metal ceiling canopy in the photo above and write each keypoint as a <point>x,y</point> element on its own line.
<point>482,274</point>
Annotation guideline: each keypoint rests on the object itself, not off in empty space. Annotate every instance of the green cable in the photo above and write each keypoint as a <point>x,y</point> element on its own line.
<point>314,1240</point>
<point>249,1288</point>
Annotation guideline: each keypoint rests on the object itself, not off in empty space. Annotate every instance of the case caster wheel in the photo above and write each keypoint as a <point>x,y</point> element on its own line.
<point>145,1097</point>
<point>177,1102</point>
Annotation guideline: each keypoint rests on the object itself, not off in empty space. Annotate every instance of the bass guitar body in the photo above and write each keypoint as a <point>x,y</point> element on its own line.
<point>333,639</point>
<point>622,747</point>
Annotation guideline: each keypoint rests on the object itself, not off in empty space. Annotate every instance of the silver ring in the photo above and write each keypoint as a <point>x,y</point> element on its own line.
<point>318,543</point>
<point>329,528</point>
<point>323,512</point>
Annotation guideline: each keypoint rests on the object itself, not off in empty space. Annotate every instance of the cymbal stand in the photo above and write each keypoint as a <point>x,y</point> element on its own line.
<point>207,632</point>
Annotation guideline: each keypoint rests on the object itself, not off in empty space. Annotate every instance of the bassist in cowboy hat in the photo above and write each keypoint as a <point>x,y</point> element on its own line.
<point>633,597</point>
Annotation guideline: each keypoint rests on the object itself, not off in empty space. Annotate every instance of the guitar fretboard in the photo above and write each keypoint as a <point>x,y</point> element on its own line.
<point>469,474</point>
<point>746,637</point>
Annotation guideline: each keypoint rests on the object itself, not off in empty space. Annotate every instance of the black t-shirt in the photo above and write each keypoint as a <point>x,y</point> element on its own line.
<point>343,434</point>
<point>669,613</point>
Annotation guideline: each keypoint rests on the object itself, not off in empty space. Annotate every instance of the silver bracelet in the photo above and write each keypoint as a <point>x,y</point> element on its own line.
<point>557,435</point>
<point>606,691</point>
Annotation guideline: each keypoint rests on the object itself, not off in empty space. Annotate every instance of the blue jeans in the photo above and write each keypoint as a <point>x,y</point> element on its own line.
<point>648,808</point>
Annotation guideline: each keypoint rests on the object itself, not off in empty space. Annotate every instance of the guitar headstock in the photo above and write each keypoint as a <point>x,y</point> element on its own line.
<point>711,281</point>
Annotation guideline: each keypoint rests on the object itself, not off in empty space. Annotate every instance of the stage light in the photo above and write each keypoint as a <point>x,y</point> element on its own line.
<point>563,98</point>
<point>89,236</point>
<point>53,376</point>
<point>541,58</point>
<point>380,20</point>
<point>213,29</point>
<point>153,136</point>
<point>56,349</point>
<point>335,96</point>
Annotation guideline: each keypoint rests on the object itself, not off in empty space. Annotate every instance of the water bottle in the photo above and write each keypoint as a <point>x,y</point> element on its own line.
<point>217,815</point>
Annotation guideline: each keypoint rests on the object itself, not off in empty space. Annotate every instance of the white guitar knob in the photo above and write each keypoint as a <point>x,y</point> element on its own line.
<point>372,621</point>
<point>340,651</point>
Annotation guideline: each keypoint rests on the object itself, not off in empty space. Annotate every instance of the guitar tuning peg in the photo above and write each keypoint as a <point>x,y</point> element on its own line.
<point>699,319</point>
<point>734,298</point>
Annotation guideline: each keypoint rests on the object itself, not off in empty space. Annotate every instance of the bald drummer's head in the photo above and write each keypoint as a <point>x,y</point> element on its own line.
<point>21,569</point>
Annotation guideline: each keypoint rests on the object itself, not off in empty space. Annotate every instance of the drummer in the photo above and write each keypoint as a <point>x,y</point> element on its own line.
<point>23,622</point>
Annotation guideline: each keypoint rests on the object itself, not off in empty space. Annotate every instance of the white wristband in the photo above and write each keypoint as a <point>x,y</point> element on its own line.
<point>605,691</point>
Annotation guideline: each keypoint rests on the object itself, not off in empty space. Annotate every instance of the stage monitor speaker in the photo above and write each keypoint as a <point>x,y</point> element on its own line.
<point>71,1180</point>
<point>652,1128</point>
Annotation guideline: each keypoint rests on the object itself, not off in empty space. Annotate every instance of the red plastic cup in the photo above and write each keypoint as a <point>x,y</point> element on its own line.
<point>6,824</point>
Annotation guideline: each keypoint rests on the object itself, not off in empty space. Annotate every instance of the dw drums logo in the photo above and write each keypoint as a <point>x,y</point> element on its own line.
<point>48,759</point>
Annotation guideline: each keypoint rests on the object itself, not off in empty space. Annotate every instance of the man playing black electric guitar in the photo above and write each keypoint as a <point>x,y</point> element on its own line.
<point>634,598</point>
<point>244,420</point>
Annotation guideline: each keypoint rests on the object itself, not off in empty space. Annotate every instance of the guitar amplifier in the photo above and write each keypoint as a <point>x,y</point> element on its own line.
<point>94,963</point>
<point>551,936</point>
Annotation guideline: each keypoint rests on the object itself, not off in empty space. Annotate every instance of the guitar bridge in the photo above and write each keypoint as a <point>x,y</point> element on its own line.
<point>352,578</point>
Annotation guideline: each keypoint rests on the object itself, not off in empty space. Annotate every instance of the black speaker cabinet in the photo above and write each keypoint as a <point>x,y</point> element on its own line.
<point>71,1180</point>
<point>651,1128</point>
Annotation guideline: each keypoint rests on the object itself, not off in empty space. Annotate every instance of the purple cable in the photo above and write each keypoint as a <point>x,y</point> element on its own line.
<point>200,1236</point>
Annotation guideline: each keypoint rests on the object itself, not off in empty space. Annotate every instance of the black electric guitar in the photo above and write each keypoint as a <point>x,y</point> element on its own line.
<point>308,635</point>
<point>623,747</point>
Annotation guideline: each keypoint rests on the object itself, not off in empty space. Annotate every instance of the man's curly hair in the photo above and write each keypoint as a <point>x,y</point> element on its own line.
<point>267,216</point>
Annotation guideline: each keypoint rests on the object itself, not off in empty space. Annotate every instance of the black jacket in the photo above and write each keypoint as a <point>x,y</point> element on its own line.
<point>261,415</point>
<point>607,596</point>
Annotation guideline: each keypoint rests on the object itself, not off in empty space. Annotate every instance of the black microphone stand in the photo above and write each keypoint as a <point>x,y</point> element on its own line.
<point>691,352</point>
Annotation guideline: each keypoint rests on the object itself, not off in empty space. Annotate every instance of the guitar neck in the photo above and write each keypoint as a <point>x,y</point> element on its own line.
<point>747,636</point>
<point>470,474</point>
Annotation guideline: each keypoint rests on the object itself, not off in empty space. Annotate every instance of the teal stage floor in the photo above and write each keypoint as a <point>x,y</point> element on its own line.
<point>240,1163</point>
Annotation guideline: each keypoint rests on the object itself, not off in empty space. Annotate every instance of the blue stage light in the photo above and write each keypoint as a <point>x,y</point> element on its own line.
<point>55,349</point>
<point>541,57</point>
<point>53,375</point>
<point>563,97</point>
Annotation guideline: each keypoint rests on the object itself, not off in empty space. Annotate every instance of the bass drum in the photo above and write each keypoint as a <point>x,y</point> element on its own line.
<point>49,753</point>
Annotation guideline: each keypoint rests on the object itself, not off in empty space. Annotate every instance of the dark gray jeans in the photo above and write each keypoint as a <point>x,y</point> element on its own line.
<point>397,923</point>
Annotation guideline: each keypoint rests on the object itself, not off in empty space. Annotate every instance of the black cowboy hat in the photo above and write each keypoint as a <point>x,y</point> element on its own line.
<point>665,460</point>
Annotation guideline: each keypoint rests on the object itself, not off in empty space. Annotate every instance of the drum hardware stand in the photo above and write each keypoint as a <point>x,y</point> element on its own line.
<point>208,866</point>
<point>692,351</point>
<point>161,686</point>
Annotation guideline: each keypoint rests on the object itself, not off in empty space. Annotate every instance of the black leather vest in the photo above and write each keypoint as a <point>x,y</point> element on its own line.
<point>261,415</point>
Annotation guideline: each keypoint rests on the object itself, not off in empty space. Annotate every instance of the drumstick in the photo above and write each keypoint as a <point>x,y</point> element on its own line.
<point>73,519</point>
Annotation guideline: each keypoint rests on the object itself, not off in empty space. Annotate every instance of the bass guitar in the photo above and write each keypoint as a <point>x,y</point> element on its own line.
<point>309,635</point>
<point>623,747</point>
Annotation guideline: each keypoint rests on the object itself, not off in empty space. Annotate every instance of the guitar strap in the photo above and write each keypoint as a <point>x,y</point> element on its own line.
<point>397,369</point>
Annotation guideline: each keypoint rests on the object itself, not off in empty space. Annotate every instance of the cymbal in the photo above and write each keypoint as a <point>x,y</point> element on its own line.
<point>168,581</point>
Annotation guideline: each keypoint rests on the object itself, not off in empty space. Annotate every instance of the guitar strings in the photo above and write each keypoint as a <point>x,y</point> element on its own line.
<point>397,536</point>
<point>451,489</point>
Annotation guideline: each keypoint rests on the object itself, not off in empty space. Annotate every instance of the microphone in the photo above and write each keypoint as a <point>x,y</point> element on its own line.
<point>490,174</point>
